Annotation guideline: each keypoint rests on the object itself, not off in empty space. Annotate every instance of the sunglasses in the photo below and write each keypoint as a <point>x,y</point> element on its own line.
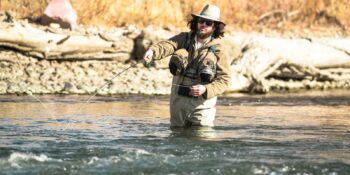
<point>206,22</point>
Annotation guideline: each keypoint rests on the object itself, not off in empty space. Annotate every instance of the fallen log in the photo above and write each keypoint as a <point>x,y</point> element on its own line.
<point>55,46</point>
<point>267,57</point>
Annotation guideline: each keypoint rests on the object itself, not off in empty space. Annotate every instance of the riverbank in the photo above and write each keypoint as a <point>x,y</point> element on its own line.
<point>21,74</point>
<point>48,60</point>
<point>25,75</point>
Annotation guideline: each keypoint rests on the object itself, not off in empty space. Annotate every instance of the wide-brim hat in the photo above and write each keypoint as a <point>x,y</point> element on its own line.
<point>210,12</point>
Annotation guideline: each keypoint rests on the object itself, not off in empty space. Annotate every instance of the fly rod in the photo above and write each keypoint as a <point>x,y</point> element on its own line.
<point>111,80</point>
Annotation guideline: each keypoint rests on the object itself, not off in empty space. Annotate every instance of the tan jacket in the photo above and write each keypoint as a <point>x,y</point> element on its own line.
<point>222,79</point>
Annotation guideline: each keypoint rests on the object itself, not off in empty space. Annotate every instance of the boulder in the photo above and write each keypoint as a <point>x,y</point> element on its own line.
<point>60,12</point>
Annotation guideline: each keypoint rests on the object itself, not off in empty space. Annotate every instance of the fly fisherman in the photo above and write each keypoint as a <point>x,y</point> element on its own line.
<point>200,69</point>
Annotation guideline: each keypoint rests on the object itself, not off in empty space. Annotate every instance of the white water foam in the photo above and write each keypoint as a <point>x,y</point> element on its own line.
<point>130,156</point>
<point>17,157</point>
<point>93,160</point>
<point>14,157</point>
<point>141,152</point>
<point>96,161</point>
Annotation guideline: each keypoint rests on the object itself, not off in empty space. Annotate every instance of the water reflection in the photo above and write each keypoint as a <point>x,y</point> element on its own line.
<point>196,133</point>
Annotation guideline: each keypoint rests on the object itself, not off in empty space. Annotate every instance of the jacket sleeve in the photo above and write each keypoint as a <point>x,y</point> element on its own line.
<point>222,80</point>
<point>165,48</point>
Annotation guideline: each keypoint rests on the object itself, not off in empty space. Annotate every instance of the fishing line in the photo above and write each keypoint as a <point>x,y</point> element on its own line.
<point>107,83</point>
<point>42,104</point>
<point>110,81</point>
<point>30,93</point>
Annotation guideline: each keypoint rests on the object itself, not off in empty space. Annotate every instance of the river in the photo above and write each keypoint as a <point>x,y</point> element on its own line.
<point>286,133</point>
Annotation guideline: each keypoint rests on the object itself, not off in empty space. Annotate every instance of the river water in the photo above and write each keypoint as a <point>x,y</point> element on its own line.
<point>294,133</point>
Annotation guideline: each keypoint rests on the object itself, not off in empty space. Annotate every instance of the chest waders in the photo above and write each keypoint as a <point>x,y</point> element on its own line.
<point>191,67</point>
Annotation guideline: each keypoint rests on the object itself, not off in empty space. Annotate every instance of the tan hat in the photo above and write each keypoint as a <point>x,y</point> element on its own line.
<point>210,12</point>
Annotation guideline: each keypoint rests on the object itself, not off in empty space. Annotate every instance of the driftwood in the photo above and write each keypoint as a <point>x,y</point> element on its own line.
<point>290,59</point>
<point>46,45</point>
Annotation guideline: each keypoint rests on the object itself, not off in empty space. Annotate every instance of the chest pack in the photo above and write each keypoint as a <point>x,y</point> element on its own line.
<point>203,67</point>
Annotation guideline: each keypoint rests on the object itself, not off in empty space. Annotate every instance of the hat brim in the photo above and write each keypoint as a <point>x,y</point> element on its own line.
<point>205,17</point>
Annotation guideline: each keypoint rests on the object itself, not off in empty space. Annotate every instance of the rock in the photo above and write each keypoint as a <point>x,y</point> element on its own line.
<point>60,12</point>
<point>55,25</point>
<point>47,74</point>
<point>3,87</point>
<point>13,89</point>
<point>69,88</point>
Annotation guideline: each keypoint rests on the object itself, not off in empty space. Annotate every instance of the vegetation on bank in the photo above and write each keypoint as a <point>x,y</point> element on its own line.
<point>252,15</point>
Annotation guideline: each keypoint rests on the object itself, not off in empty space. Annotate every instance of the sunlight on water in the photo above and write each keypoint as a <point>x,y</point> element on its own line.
<point>273,134</point>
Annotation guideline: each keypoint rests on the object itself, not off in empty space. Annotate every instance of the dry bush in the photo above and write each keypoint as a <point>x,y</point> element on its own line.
<point>240,14</point>
<point>24,8</point>
<point>119,13</point>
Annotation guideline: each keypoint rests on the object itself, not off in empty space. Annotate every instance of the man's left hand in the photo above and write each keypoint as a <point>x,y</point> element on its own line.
<point>198,90</point>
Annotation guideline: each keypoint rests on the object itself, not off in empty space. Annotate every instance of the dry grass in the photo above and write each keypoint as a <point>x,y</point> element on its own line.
<point>239,14</point>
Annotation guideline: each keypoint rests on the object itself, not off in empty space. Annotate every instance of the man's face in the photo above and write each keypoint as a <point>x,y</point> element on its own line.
<point>205,28</point>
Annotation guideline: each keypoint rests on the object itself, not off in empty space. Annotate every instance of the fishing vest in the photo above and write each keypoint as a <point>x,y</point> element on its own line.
<point>201,66</point>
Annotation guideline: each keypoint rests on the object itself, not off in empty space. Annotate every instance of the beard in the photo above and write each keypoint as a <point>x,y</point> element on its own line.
<point>203,35</point>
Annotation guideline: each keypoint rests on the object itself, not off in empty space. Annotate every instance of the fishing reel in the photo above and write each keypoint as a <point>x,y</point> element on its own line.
<point>207,71</point>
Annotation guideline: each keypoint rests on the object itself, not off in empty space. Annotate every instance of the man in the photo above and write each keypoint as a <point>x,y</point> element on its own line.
<point>60,12</point>
<point>201,72</point>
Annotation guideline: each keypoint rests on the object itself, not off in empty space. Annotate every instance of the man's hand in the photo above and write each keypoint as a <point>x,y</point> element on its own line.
<point>198,90</point>
<point>148,56</point>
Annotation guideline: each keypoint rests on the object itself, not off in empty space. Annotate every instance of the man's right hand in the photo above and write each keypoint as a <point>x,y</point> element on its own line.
<point>148,56</point>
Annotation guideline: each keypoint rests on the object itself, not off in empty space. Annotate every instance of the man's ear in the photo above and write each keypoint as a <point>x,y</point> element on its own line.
<point>216,26</point>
